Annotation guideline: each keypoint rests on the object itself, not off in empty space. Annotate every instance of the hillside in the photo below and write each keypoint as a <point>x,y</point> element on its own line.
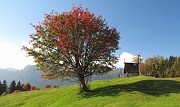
<point>118,92</point>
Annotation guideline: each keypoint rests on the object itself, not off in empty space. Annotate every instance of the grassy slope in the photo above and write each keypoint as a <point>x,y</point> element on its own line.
<point>120,92</point>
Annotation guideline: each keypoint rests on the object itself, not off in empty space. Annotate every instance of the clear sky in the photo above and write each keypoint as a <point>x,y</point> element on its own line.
<point>148,27</point>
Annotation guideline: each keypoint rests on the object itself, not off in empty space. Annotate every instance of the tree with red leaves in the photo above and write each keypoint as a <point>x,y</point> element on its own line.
<point>73,44</point>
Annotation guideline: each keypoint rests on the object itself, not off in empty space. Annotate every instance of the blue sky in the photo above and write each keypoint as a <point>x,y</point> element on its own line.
<point>148,27</point>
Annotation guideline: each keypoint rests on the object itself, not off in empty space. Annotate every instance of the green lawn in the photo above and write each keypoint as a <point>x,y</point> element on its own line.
<point>137,91</point>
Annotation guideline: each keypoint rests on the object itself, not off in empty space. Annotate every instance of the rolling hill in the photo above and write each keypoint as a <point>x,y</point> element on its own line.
<point>137,91</point>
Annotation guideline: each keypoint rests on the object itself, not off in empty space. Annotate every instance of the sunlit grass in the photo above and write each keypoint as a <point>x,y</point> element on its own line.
<point>119,92</point>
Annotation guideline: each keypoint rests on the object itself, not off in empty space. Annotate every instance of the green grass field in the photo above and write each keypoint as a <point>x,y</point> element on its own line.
<point>137,91</point>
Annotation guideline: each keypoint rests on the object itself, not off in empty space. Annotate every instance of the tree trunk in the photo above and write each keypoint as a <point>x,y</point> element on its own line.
<point>82,84</point>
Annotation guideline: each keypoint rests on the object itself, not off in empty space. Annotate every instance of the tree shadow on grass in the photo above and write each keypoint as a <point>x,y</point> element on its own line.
<point>150,87</point>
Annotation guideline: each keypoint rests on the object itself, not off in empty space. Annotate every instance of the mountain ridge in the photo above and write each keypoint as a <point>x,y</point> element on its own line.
<point>30,75</point>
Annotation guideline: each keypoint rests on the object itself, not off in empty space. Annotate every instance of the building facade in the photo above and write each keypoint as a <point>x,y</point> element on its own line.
<point>131,69</point>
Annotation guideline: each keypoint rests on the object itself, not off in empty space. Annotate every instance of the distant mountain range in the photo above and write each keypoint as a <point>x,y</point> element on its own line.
<point>31,75</point>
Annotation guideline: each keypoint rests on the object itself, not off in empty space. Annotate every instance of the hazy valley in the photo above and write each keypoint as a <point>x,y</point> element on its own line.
<point>31,75</point>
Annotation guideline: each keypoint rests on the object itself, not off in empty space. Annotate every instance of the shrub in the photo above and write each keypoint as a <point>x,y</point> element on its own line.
<point>55,86</point>
<point>26,87</point>
<point>33,88</point>
<point>4,93</point>
<point>47,86</point>
<point>16,91</point>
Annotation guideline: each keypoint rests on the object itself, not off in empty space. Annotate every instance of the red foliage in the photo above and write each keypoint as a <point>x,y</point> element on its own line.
<point>79,37</point>
<point>33,88</point>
